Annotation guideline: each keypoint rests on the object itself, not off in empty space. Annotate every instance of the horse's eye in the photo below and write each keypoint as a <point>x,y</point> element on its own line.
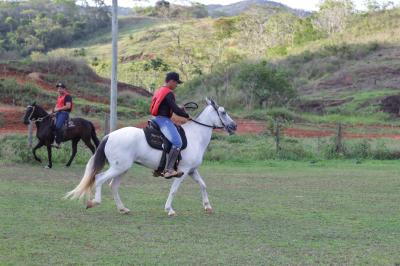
<point>223,113</point>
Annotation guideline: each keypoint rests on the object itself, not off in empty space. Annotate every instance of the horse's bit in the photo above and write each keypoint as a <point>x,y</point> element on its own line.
<point>40,119</point>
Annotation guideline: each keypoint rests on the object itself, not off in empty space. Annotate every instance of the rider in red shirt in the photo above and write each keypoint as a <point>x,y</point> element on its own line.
<point>62,109</point>
<point>162,107</point>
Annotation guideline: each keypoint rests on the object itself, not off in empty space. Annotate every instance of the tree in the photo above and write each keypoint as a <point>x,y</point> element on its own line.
<point>155,65</point>
<point>305,32</point>
<point>10,21</point>
<point>263,85</point>
<point>372,5</point>
<point>162,4</point>
<point>225,27</point>
<point>333,15</point>
<point>252,27</point>
<point>280,29</point>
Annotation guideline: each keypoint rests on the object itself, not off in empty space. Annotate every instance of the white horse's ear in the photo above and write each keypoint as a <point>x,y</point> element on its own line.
<point>208,101</point>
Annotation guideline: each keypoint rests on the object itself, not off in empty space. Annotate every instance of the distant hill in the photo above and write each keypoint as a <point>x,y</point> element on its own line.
<point>123,11</point>
<point>243,6</point>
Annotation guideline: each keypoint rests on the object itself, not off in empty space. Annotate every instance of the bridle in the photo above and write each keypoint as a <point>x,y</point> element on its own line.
<point>213,127</point>
<point>40,119</point>
<point>187,106</point>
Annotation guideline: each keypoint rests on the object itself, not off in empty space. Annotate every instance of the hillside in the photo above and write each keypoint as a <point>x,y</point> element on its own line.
<point>238,8</point>
<point>24,83</point>
<point>341,75</point>
<point>346,76</point>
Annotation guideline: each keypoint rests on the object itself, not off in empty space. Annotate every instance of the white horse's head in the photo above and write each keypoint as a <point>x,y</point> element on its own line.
<point>219,118</point>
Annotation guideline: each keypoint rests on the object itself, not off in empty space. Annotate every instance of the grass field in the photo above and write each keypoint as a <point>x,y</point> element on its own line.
<point>265,213</point>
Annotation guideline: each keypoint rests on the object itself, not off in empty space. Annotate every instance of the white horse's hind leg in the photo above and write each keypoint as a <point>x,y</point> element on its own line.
<point>114,188</point>
<point>206,203</point>
<point>112,172</point>
<point>174,188</point>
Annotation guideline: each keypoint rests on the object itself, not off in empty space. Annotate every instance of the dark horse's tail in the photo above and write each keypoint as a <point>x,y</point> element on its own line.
<point>94,165</point>
<point>94,136</point>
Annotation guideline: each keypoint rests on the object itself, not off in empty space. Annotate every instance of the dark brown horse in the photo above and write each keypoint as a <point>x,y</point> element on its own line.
<point>81,129</point>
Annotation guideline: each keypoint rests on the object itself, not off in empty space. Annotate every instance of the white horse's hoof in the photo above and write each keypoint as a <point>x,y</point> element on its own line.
<point>124,210</point>
<point>91,204</point>
<point>171,213</point>
<point>208,210</point>
<point>47,167</point>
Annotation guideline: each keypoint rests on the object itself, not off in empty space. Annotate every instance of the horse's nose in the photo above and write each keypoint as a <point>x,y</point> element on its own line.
<point>234,126</point>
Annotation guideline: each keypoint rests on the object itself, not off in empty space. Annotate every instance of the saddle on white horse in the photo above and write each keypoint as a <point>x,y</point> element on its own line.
<point>157,140</point>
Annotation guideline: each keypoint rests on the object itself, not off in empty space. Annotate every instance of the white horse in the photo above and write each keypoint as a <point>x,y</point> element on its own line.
<point>128,145</point>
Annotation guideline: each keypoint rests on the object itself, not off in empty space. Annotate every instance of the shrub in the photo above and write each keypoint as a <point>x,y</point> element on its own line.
<point>14,93</point>
<point>359,150</point>
<point>283,114</point>
<point>293,151</point>
<point>15,149</point>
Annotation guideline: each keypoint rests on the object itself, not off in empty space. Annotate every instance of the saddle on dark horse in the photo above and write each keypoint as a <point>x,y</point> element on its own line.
<point>158,141</point>
<point>68,123</point>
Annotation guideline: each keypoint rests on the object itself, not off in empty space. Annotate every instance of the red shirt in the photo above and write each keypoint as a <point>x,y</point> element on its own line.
<point>61,101</point>
<point>157,99</point>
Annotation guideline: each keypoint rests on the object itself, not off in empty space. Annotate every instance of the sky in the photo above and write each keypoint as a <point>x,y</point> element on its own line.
<point>310,5</point>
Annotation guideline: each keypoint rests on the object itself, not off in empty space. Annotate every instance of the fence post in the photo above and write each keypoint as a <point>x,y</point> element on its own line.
<point>106,124</point>
<point>339,137</point>
<point>277,134</point>
<point>30,134</point>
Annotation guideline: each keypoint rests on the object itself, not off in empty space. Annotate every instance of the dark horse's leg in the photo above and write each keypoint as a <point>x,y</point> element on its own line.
<point>94,136</point>
<point>89,144</point>
<point>49,155</point>
<point>74,150</point>
<point>40,144</point>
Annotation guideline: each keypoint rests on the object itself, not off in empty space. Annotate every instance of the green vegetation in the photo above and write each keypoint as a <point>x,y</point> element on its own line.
<point>276,213</point>
<point>28,26</point>
<point>242,148</point>
<point>166,9</point>
<point>251,85</point>
<point>259,64</point>
<point>323,56</point>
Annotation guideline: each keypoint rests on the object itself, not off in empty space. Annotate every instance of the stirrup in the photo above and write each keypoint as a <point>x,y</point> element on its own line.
<point>157,173</point>
<point>56,145</point>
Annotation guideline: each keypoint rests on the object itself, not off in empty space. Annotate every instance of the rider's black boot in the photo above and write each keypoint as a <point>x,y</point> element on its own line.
<point>57,139</point>
<point>169,169</point>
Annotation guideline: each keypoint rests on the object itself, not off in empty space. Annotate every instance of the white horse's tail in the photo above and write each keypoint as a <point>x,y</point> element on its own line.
<point>94,165</point>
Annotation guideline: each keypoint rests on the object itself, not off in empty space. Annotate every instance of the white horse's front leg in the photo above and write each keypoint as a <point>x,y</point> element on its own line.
<point>206,203</point>
<point>174,188</point>
<point>115,183</point>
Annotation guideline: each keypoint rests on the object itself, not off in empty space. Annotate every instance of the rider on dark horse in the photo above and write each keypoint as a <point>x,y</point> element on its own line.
<point>162,107</point>
<point>62,109</point>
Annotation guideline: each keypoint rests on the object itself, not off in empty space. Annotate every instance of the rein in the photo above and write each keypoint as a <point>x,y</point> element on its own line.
<point>40,119</point>
<point>197,122</point>
<point>193,105</point>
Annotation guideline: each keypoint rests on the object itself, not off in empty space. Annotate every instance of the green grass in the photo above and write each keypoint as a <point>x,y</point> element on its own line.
<point>268,212</point>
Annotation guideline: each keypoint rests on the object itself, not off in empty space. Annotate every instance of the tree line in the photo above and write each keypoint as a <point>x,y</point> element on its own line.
<point>42,25</point>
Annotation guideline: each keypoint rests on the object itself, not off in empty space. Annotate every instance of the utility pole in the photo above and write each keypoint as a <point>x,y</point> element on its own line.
<point>114,84</point>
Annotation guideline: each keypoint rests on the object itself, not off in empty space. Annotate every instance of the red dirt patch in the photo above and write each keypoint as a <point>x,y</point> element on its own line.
<point>12,120</point>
